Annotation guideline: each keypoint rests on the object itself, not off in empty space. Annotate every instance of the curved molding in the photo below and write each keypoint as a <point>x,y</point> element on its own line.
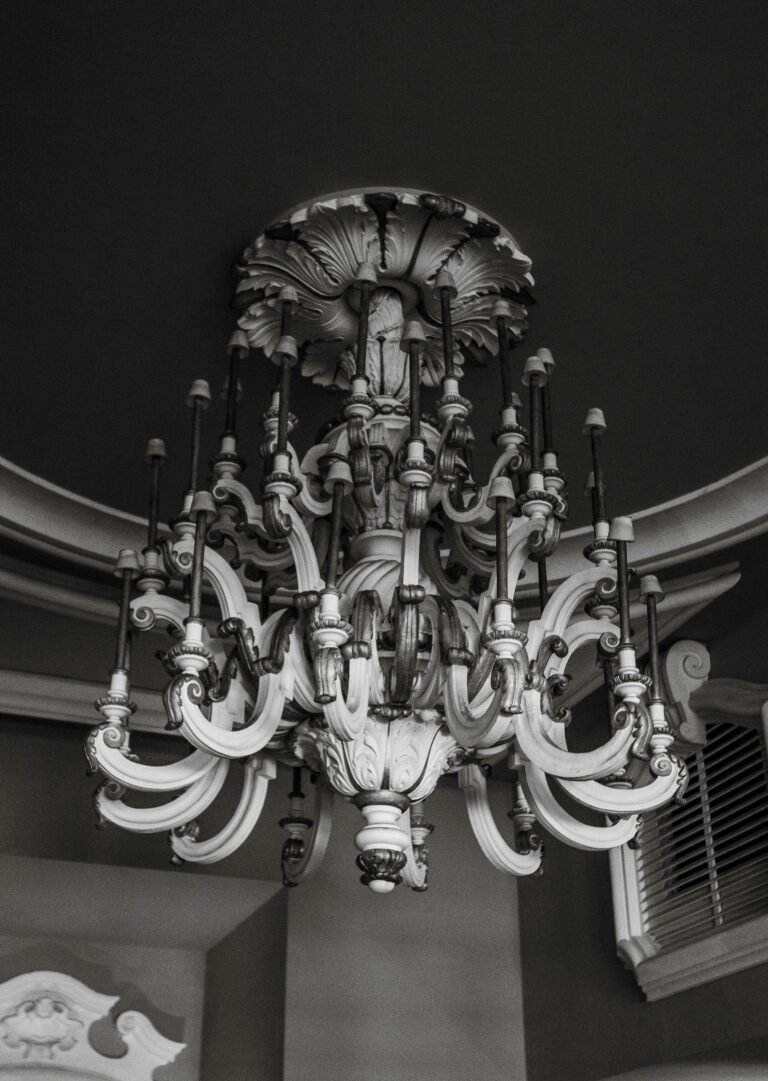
<point>42,516</point>
<point>707,520</point>
<point>44,1023</point>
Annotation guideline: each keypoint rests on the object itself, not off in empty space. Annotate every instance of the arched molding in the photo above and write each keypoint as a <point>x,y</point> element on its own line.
<point>87,534</point>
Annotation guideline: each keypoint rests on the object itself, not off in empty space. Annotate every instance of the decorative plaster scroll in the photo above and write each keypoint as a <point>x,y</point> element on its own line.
<point>44,1023</point>
<point>685,667</point>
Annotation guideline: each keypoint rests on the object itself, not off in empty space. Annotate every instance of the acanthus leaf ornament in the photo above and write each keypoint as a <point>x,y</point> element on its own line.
<point>383,648</point>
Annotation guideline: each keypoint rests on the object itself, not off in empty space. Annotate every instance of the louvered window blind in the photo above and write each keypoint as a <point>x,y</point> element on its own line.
<point>703,866</point>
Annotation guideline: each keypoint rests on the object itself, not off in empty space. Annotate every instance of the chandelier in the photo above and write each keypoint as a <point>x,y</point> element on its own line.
<point>356,620</point>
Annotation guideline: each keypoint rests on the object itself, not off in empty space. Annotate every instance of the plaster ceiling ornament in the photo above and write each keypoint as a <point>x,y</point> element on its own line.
<point>356,620</point>
<point>45,1018</point>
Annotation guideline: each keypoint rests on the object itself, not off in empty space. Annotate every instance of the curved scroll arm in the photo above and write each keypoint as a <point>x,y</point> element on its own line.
<point>492,723</point>
<point>531,733</point>
<point>184,696</point>
<point>495,848</point>
<point>142,778</point>
<point>258,772</point>
<point>624,801</point>
<point>416,871</point>
<point>167,816</point>
<point>314,843</point>
<point>479,511</point>
<point>563,825</point>
<point>565,600</point>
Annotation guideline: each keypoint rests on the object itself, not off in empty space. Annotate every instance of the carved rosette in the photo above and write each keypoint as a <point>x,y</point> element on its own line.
<point>407,236</point>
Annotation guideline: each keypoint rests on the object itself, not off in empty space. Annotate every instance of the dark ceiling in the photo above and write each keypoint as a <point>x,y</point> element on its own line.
<point>622,143</point>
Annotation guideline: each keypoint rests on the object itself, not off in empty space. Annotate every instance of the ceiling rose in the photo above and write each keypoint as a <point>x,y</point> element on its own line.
<point>356,619</point>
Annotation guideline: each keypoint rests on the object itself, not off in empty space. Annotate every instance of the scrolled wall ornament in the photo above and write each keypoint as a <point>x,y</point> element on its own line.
<point>383,649</point>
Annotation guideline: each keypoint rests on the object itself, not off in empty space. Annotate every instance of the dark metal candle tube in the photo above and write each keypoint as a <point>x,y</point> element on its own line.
<point>230,423</point>
<point>597,469</point>
<point>534,388</point>
<point>415,389</point>
<point>334,545</point>
<point>366,289</point>
<point>196,582</point>
<point>505,361</point>
<point>154,502</point>
<point>445,308</point>
<point>296,792</point>
<point>653,647</point>
<point>502,550</point>
<point>546,416</point>
<point>197,423</point>
<point>622,583</point>
<point>283,406</point>
<point>285,319</point>
<point>121,647</point>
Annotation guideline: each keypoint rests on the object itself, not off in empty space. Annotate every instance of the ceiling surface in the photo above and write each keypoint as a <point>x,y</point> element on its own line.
<point>623,144</point>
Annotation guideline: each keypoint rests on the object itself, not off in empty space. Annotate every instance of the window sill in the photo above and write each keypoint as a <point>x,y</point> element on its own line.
<point>720,954</point>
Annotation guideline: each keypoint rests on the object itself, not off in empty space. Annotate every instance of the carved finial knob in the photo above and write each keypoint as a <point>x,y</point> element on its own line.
<point>534,366</point>
<point>155,451</point>
<point>127,560</point>
<point>286,349</point>
<point>199,392</point>
<point>545,355</point>
<point>595,418</point>
<point>650,587</point>
<point>621,530</point>
<point>444,280</point>
<point>413,334</point>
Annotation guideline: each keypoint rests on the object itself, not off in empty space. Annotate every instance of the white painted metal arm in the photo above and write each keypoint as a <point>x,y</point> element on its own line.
<point>142,778</point>
<point>258,772</point>
<point>623,801</point>
<point>470,725</point>
<point>532,738</point>
<point>315,841</point>
<point>241,743</point>
<point>562,824</point>
<point>167,816</point>
<point>495,848</point>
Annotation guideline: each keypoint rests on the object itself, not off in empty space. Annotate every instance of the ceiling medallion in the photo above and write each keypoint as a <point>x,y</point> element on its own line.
<point>356,620</point>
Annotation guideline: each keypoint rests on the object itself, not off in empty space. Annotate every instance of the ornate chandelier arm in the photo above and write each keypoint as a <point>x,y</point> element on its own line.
<point>565,600</point>
<point>167,816</point>
<point>314,843</point>
<point>462,552</point>
<point>250,550</point>
<point>227,489</point>
<point>257,774</point>
<point>142,778</point>
<point>479,512</point>
<point>496,849</point>
<point>493,723</point>
<point>308,574</point>
<point>624,801</point>
<point>185,695</point>
<point>531,734</point>
<point>433,565</point>
<point>230,592</point>
<point>416,869</point>
<point>563,825</point>
<point>346,715</point>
